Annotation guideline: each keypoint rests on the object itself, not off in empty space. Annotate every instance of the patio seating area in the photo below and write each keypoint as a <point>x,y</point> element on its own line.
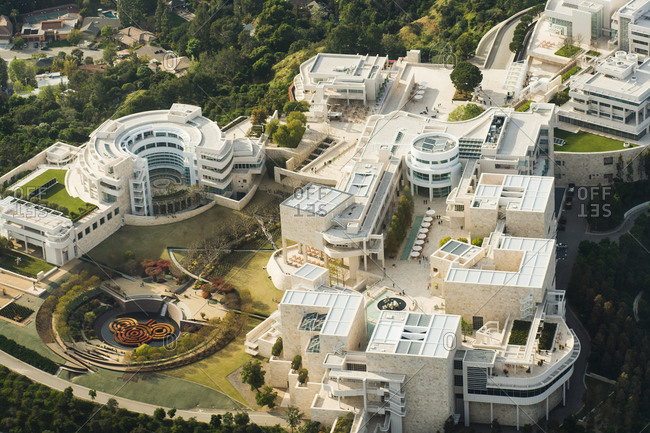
<point>350,111</point>
<point>546,44</point>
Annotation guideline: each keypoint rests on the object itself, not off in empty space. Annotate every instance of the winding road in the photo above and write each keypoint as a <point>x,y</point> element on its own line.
<point>576,231</point>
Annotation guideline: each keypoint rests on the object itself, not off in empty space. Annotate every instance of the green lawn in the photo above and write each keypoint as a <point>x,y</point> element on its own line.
<point>57,194</point>
<point>27,335</point>
<point>214,370</point>
<point>247,273</point>
<point>154,388</point>
<point>568,51</point>
<point>152,241</point>
<point>525,106</point>
<point>586,142</point>
<point>28,266</point>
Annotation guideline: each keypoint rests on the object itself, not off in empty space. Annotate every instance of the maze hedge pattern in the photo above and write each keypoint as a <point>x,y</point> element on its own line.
<point>130,332</point>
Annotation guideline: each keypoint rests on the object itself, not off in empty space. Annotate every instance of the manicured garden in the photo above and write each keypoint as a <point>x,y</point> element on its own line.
<point>57,196</point>
<point>519,332</point>
<point>525,106</point>
<point>548,333</point>
<point>568,51</point>
<point>570,72</point>
<point>213,371</point>
<point>16,312</point>
<point>27,355</point>
<point>26,265</point>
<point>27,335</point>
<point>245,272</point>
<point>586,142</point>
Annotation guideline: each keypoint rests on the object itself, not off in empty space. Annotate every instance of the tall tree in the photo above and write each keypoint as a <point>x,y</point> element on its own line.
<point>20,70</point>
<point>294,417</point>
<point>131,12</point>
<point>253,374</point>
<point>4,73</point>
<point>466,77</point>
<point>162,18</point>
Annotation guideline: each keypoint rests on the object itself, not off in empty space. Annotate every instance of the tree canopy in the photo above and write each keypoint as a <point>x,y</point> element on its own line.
<point>466,77</point>
<point>465,112</point>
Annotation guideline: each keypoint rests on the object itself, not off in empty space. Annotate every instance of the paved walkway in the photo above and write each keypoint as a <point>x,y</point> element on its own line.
<point>261,418</point>
<point>415,229</point>
<point>501,56</point>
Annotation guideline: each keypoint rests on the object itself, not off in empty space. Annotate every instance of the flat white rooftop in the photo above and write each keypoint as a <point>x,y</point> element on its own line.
<point>532,269</point>
<point>34,215</point>
<point>407,333</point>
<point>354,67</point>
<point>317,199</point>
<point>343,308</point>
<point>516,192</point>
<point>634,87</point>
<point>310,272</point>
<point>537,191</point>
<point>398,130</point>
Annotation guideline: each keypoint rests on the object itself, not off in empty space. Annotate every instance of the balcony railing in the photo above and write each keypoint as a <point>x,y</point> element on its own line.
<point>543,379</point>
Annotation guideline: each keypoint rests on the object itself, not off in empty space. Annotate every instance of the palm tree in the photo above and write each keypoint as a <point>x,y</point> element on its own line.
<point>294,417</point>
<point>92,393</point>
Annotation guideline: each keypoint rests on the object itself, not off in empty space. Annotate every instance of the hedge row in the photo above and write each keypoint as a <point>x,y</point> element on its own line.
<point>27,355</point>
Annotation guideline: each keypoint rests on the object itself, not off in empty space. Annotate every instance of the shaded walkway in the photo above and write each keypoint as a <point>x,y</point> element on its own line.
<point>412,235</point>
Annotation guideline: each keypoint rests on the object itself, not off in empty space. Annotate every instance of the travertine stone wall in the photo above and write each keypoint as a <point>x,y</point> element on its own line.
<point>481,221</point>
<point>278,372</point>
<point>429,386</point>
<point>492,302</point>
<point>302,396</point>
<point>590,169</point>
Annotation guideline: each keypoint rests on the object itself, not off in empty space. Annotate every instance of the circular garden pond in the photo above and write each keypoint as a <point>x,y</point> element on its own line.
<point>392,303</point>
<point>130,330</point>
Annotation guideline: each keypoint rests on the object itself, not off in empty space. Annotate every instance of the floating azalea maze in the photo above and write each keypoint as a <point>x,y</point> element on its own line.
<point>129,332</point>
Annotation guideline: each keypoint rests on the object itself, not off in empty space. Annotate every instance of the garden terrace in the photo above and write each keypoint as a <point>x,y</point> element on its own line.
<point>519,332</point>
<point>547,338</point>
<point>27,265</point>
<point>57,196</point>
<point>585,142</point>
<point>15,312</point>
<point>568,51</point>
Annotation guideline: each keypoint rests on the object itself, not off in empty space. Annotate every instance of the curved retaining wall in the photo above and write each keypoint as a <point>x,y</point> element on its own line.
<point>636,208</point>
<point>280,279</point>
<point>137,220</point>
<point>589,169</point>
